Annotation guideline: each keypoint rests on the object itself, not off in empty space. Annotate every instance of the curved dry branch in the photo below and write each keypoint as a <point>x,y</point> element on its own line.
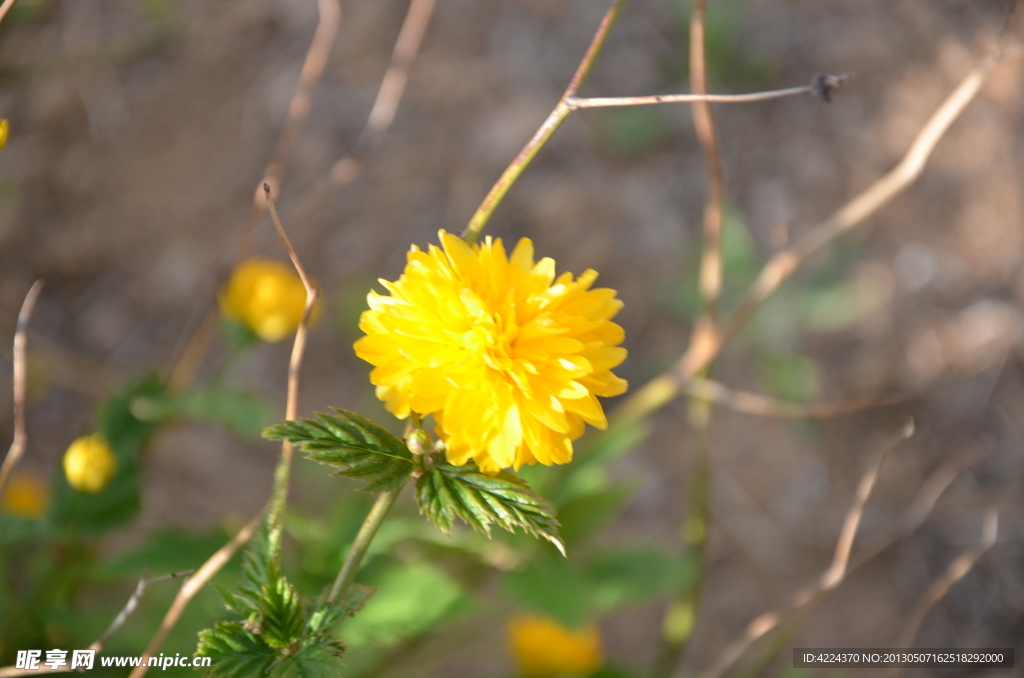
<point>191,587</point>
<point>663,389</point>
<point>956,571</point>
<point>382,114</point>
<point>828,581</point>
<point>20,377</point>
<point>763,406</point>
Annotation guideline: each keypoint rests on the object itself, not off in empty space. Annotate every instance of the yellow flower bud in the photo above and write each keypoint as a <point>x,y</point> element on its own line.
<point>89,463</point>
<point>4,126</point>
<point>543,648</point>
<point>266,296</point>
<point>25,496</point>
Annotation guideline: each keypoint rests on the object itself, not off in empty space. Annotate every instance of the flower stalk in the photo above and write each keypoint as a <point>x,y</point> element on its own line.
<point>347,573</point>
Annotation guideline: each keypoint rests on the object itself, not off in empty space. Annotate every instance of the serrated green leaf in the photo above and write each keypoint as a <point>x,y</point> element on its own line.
<point>325,616</point>
<point>480,500</point>
<point>281,616</point>
<point>235,651</point>
<point>353,445</point>
<point>322,660</point>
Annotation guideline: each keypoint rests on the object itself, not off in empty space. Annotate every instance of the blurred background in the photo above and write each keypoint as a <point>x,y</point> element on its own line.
<point>140,128</point>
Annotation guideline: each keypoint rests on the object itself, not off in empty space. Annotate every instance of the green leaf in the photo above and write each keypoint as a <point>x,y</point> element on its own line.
<point>553,586</point>
<point>235,651</point>
<point>324,616</point>
<point>243,413</point>
<point>281,616</point>
<point>354,446</point>
<point>15,529</point>
<point>321,660</point>
<point>585,514</point>
<point>622,577</point>
<point>410,598</point>
<point>480,500</point>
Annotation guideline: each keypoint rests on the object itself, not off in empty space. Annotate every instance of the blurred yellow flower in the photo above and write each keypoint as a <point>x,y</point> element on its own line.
<point>543,648</point>
<point>4,127</point>
<point>26,496</point>
<point>265,296</point>
<point>507,358</point>
<point>89,463</point>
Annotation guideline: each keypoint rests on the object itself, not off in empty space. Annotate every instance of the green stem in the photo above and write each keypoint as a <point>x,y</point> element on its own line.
<point>279,496</point>
<point>347,573</point>
<point>561,112</point>
<point>681,616</point>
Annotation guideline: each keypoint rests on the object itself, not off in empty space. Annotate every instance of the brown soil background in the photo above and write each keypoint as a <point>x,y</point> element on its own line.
<point>136,144</point>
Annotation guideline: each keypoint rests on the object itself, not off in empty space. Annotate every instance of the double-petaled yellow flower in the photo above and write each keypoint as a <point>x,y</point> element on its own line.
<point>508,359</point>
<point>90,464</point>
<point>266,296</point>
<point>543,648</point>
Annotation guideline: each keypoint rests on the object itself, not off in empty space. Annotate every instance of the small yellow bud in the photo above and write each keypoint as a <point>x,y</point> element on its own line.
<point>25,496</point>
<point>4,127</point>
<point>89,463</point>
<point>543,648</point>
<point>266,296</point>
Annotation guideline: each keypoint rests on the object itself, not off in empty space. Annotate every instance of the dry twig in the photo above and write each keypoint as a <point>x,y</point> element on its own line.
<point>828,581</point>
<point>663,389</point>
<point>392,87</point>
<point>763,406</point>
<point>956,571</point>
<point>191,351</point>
<point>547,128</point>
<point>101,642</point>
<point>191,587</point>
<point>822,86</point>
<point>20,378</point>
<point>4,8</point>
<point>302,100</point>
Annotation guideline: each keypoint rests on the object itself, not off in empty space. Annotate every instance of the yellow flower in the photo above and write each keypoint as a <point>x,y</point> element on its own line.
<point>89,463</point>
<point>25,496</point>
<point>4,127</point>
<point>507,358</point>
<point>265,296</point>
<point>543,648</point>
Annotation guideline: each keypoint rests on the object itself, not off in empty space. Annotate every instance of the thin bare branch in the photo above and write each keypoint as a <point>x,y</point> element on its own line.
<point>287,243</point>
<point>664,388</point>
<point>191,587</point>
<point>132,603</point>
<point>560,113</point>
<point>828,581</point>
<point>763,406</point>
<point>190,351</point>
<point>4,8</point>
<point>710,282</point>
<point>956,571</point>
<point>678,621</point>
<point>389,96</point>
<point>280,491</point>
<point>100,643</point>
<point>302,100</point>
<point>20,380</point>
<point>694,97</point>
